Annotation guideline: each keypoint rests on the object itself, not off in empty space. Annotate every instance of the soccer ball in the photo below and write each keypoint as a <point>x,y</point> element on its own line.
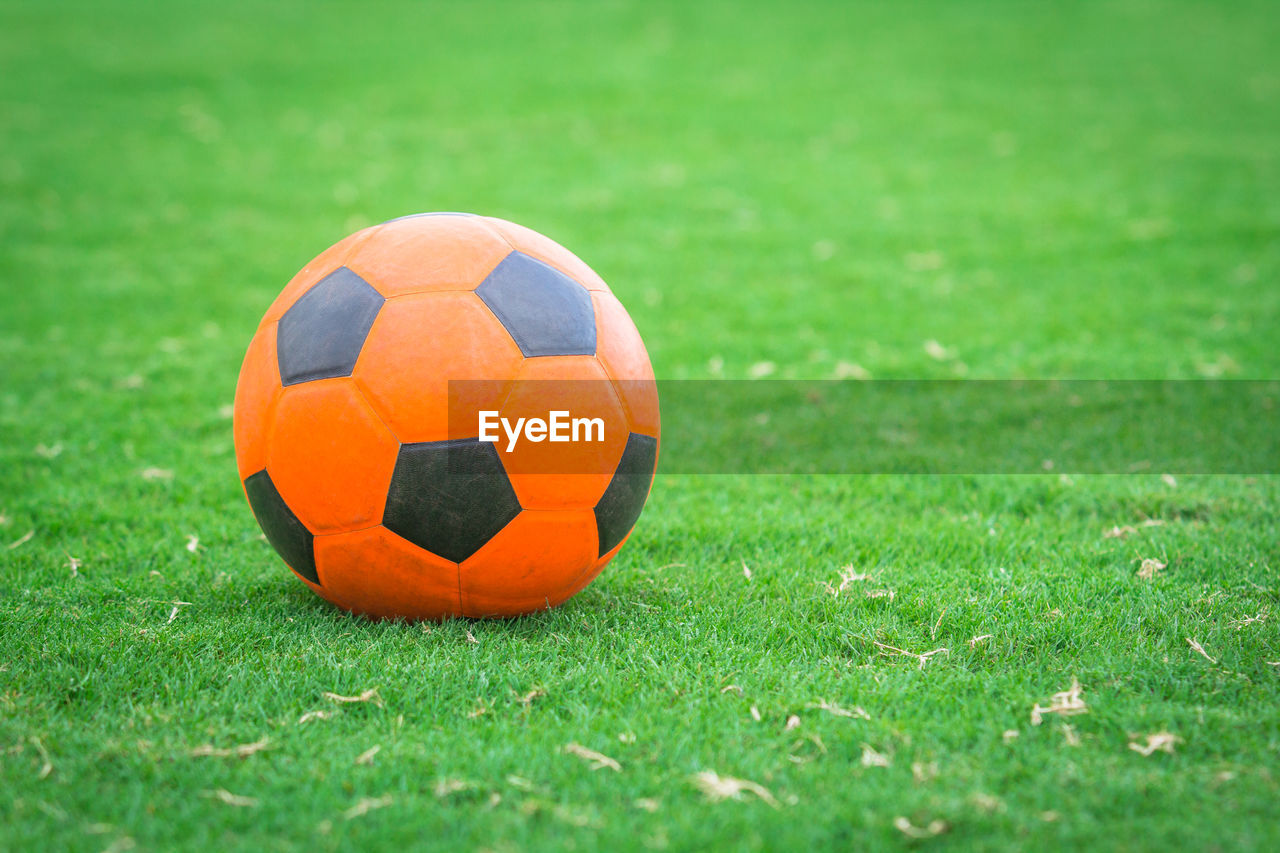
<point>374,413</point>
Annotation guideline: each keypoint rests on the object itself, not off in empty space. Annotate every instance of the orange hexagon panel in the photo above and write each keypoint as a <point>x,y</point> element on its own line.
<point>429,252</point>
<point>625,360</point>
<point>331,457</point>
<point>377,573</point>
<point>256,393</point>
<point>417,345</point>
<point>531,564</point>
<point>569,467</point>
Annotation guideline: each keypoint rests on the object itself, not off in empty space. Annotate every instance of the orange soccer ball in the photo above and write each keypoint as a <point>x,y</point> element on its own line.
<point>407,421</point>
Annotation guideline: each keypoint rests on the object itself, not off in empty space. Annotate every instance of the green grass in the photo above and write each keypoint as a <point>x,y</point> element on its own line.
<point>1087,191</point>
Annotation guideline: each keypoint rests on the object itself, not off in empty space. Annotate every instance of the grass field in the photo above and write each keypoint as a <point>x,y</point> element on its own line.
<point>919,189</point>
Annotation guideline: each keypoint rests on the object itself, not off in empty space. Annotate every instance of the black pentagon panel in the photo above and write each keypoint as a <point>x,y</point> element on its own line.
<point>321,334</point>
<point>545,311</point>
<point>289,536</point>
<point>620,506</point>
<point>449,497</point>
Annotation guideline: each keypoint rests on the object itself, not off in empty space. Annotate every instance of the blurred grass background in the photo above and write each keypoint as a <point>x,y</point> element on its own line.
<point>813,190</point>
<point>1079,190</point>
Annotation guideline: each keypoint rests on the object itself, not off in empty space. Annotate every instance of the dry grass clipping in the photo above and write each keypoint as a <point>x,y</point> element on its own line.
<point>599,760</point>
<point>843,369</point>
<point>314,715</point>
<point>520,782</point>
<point>1147,570</point>
<point>922,772</point>
<point>871,758</point>
<point>370,695</point>
<point>53,811</point>
<point>856,712</point>
<point>1158,742</point>
<point>366,805</point>
<point>920,262</point>
<point>931,829</point>
<point>23,540</point>
<point>933,635</point>
<point>222,795</point>
<point>922,658</point>
<point>817,748</point>
<point>46,765</point>
<point>446,787</point>
<point>366,757</point>
<point>716,788</point>
<point>987,803</point>
<point>1120,532</point>
<point>1249,620</point>
<point>242,751</point>
<point>1199,649</point>
<point>1067,702</point>
<point>848,576</point>
<point>177,605</point>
